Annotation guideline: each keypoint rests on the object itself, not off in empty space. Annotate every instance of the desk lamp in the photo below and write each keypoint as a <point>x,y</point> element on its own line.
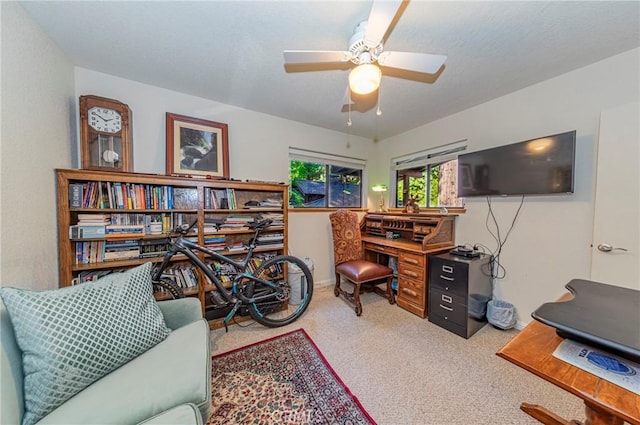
<point>380,188</point>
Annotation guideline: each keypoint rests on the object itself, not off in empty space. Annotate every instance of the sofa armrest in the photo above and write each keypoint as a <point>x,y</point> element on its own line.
<point>180,312</point>
<point>184,414</point>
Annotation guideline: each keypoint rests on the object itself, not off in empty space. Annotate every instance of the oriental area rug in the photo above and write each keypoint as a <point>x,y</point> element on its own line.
<point>281,380</point>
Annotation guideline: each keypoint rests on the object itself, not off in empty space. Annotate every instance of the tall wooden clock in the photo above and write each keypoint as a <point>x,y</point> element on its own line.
<point>105,134</point>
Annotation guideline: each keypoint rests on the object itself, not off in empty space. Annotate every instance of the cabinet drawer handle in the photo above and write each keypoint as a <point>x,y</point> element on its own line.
<point>410,273</point>
<point>447,269</point>
<point>446,298</point>
<point>410,292</point>
<point>446,308</point>
<point>410,261</point>
<point>450,279</point>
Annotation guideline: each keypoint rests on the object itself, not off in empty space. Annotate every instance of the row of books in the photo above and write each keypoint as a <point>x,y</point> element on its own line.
<point>116,225</point>
<point>131,196</point>
<point>183,275</point>
<point>227,272</point>
<point>270,239</point>
<point>219,199</point>
<point>226,199</point>
<point>93,275</point>
<point>92,252</point>
<point>94,194</point>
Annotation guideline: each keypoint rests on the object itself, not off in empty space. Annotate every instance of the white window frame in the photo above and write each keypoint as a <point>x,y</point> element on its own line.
<point>308,155</point>
<point>424,158</point>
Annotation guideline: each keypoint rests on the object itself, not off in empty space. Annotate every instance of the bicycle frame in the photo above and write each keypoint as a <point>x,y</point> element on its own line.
<point>184,246</point>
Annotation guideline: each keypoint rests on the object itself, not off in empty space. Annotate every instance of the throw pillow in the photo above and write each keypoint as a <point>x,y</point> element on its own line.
<point>73,336</point>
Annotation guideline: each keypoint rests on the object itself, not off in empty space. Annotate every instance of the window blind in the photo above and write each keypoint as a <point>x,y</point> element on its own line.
<point>434,155</point>
<point>325,158</point>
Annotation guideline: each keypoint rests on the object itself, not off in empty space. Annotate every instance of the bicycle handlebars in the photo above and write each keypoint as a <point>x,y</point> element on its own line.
<point>254,225</point>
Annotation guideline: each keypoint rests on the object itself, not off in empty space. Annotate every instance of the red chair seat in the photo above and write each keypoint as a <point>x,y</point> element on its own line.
<point>361,271</point>
<point>349,262</point>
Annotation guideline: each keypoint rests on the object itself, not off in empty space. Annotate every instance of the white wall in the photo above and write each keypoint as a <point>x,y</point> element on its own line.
<point>37,124</point>
<point>550,243</point>
<point>258,147</point>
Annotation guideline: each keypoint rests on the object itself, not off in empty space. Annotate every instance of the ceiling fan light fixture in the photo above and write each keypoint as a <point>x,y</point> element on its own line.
<point>365,78</point>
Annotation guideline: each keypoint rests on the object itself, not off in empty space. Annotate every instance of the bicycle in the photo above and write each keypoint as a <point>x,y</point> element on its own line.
<point>265,290</point>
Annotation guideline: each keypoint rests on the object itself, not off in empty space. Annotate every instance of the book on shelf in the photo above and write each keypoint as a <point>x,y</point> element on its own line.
<point>119,231</point>
<point>87,231</point>
<point>89,252</point>
<point>235,247</point>
<point>94,218</point>
<point>93,275</point>
<point>118,195</point>
<point>76,195</point>
<point>183,275</point>
<point>122,243</point>
<point>153,247</point>
<point>231,198</point>
<point>215,198</point>
<point>121,254</point>
<point>271,203</point>
<point>215,243</point>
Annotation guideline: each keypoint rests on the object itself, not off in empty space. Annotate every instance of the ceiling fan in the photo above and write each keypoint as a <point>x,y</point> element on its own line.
<point>366,49</point>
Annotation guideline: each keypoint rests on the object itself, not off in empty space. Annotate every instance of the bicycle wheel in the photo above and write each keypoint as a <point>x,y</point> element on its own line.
<point>291,277</point>
<point>170,287</point>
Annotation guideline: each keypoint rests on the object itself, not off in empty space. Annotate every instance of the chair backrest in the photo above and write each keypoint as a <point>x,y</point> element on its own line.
<point>347,241</point>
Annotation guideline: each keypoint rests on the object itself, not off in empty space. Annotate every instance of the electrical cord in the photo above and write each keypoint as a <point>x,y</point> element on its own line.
<point>497,270</point>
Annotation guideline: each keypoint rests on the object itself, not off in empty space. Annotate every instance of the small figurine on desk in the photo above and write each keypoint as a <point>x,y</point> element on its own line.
<point>412,206</point>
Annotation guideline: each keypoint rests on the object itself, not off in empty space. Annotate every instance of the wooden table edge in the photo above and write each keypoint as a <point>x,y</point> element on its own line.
<point>552,342</point>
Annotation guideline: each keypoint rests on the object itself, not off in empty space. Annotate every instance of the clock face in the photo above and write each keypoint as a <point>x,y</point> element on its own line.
<point>104,120</point>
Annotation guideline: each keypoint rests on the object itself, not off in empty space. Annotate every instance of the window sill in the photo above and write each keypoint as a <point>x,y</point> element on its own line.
<point>291,209</point>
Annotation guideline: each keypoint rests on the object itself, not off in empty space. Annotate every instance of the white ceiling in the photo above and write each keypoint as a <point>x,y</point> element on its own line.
<point>231,51</point>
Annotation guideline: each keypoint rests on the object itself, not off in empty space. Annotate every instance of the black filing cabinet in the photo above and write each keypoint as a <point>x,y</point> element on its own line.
<point>459,289</point>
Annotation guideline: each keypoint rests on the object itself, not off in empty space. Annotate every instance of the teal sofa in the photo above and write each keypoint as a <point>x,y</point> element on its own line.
<point>168,384</point>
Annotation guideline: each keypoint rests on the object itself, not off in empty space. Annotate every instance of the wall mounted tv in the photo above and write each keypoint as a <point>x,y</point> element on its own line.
<point>534,167</point>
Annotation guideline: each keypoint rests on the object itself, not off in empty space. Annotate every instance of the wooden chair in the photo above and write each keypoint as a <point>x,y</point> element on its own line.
<point>348,255</point>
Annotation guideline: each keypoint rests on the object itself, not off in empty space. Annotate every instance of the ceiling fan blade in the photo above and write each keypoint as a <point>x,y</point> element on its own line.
<point>418,62</point>
<point>380,17</point>
<point>315,56</point>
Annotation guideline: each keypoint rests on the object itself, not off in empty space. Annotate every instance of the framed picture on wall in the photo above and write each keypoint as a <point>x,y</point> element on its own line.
<point>197,147</point>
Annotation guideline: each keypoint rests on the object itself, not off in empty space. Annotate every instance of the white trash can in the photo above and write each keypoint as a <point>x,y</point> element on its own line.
<point>501,314</point>
<point>298,281</point>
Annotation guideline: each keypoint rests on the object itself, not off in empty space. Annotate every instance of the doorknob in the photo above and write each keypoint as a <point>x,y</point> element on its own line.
<point>605,247</point>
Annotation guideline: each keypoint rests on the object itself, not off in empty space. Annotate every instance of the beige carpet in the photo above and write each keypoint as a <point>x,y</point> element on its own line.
<point>406,370</point>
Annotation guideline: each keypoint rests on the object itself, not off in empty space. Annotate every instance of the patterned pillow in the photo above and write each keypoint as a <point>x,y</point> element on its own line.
<point>73,336</point>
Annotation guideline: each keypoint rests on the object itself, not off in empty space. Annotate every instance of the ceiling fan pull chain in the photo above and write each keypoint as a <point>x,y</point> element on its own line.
<point>379,111</point>
<point>349,121</point>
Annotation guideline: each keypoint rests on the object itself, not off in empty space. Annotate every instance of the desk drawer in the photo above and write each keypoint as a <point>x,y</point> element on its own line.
<point>448,271</point>
<point>381,248</point>
<point>446,298</point>
<point>416,260</point>
<point>448,312</point>
<point>411,290</point>
<point>411,272</point>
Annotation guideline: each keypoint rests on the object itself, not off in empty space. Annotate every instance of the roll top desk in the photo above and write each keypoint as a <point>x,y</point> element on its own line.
<point>408,240</point>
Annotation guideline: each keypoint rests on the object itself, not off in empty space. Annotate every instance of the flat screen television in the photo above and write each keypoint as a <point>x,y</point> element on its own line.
<point>541,166</point>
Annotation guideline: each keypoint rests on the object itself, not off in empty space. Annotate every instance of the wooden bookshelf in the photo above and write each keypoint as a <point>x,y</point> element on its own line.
<point>136,200</point>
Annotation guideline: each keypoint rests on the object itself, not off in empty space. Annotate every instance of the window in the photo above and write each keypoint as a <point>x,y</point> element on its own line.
<point>319,180</point>
<point>429,177</point>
